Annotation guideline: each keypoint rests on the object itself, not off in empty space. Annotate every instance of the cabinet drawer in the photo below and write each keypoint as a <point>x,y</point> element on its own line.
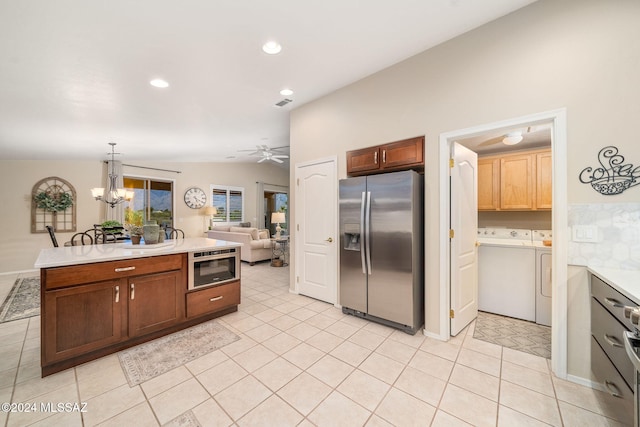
<point>612,382</point>
<point>60,277</point>
<point>610,299</point>
<point>610,335</point>
<point>213,299</point>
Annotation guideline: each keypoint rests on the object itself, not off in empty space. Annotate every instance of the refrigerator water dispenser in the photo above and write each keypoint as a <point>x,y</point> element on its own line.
<point>352,237</point>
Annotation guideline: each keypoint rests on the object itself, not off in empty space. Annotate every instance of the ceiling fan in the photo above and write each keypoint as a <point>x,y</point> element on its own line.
<point>266,153</point>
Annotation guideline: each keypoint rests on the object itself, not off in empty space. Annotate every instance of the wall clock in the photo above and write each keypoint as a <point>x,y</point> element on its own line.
<point>195,198</point>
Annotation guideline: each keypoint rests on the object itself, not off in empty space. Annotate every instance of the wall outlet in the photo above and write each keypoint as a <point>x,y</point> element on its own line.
<point>585,233</point>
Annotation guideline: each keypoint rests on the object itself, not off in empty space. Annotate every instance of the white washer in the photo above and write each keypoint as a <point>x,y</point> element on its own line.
<point>543,276</point>
<point>506,273</point>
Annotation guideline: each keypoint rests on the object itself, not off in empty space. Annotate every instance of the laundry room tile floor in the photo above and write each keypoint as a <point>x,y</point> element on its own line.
<point>300,362</point>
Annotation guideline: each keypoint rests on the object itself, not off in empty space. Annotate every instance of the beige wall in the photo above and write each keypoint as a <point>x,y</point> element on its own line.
<point>19,248</point>
<point>582,55</point>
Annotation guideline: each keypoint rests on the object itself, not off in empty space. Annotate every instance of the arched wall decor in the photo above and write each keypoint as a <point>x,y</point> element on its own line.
<point>613,176</point>
<point>53,202</point>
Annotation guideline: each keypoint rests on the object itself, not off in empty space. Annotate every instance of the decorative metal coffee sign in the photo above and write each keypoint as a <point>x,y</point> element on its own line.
<point>613,176</point>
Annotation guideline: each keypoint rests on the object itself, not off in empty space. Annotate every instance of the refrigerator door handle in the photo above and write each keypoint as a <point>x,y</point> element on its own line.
<point>367,239</point>
<point>362,231</point>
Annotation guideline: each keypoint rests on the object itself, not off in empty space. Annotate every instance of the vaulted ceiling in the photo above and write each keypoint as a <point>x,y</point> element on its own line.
<point>75,73</point>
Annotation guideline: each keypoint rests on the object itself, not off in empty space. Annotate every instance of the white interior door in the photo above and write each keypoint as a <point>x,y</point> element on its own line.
<point>464,222</point>
<point>316,230</point>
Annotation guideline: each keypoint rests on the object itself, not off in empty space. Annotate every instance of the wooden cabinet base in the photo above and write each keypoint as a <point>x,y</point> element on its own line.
<point>85,316</point>
<point>84,358</point>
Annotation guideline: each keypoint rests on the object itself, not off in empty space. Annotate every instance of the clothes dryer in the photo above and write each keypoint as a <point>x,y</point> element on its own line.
<point>543,275</point>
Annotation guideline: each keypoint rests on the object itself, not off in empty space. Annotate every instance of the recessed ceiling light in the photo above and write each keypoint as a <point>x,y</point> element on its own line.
<point>159,83</point>
<point>271,47</point>
<point>286,92</point>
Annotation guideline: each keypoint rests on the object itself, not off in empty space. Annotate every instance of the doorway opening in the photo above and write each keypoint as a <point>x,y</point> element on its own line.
<point>557,121</point>
<point>276,202</point>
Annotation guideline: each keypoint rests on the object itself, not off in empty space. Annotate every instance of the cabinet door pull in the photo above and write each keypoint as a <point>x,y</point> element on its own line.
<point>612,389</point>
<point>216,298</point>
<point>117,293</point>
<point>613,302</point>
<point>384,156</point>
<point>375,157</point>
<point>613,341</point>
<point>133,291</point>
<point>121,269</point>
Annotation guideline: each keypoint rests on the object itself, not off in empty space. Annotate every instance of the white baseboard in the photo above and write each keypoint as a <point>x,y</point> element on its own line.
<point>434,336</point>
<point>585,382</point>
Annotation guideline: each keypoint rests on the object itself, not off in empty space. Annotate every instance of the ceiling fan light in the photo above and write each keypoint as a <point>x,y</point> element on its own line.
<point>512,138</point>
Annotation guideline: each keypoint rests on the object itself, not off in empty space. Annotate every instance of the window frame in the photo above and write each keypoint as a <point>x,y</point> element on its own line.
<point>148,179</point>
<point>228,189</point>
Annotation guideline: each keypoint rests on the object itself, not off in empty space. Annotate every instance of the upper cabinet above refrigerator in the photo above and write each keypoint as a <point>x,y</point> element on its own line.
<point>394,156</point>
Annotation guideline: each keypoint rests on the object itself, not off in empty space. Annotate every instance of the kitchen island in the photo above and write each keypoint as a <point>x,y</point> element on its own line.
<point>99,299</point>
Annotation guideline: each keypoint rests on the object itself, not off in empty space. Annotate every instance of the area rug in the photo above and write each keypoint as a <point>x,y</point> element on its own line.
<point>146,361</point>
<point>514,333</point>
<point>23,300</point>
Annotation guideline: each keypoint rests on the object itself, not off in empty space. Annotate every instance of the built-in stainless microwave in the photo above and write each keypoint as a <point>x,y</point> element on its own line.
<point>211,268</point>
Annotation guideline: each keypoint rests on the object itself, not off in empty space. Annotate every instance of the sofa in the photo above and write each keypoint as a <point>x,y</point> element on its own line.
<point>256,244</point>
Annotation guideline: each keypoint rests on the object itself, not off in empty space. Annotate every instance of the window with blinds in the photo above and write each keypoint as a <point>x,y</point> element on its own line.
<point>229,203</point>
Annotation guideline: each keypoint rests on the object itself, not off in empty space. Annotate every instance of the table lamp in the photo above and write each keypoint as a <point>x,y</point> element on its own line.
<point>278,217</point>
<point>210,211</point>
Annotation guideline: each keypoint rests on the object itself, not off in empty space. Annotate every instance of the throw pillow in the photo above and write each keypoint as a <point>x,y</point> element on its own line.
<point>263,234</point>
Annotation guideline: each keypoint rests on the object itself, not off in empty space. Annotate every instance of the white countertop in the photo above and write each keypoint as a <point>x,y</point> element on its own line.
<point>627,282</point>
<point>73,255</point>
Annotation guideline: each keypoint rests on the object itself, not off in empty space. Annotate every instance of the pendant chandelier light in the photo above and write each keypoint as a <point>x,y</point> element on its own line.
<point>113,195</point>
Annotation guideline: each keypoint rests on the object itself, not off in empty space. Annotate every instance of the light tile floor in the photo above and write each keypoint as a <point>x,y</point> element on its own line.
<point>301,362</point>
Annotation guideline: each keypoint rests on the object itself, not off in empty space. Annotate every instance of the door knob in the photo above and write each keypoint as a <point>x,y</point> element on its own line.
<point>329,240</point>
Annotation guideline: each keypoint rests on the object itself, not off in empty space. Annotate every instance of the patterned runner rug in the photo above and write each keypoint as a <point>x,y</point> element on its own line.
<point>146,361</point>
<point>514,333</point>
<point>23,300</point>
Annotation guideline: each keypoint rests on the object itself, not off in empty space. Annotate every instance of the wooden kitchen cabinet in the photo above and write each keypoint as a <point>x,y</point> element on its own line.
<point>83,318</point>
<point>84,314</point>
<point>213,299</point>
<point>515,182</point>
<point>394,156</point>
<point>156,301</point>
<point>363,161</point>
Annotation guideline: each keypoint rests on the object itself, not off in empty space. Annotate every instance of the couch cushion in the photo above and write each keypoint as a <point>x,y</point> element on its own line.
<point>221,228</point>
<point>260,244</point>
<point>248,230</point>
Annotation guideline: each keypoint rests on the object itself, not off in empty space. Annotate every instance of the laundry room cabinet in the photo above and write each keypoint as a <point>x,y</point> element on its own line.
<point>488,184</point>
<point>515,182</point>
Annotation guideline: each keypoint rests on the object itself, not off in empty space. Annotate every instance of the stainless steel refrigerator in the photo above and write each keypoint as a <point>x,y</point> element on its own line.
<point>381,249</point>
